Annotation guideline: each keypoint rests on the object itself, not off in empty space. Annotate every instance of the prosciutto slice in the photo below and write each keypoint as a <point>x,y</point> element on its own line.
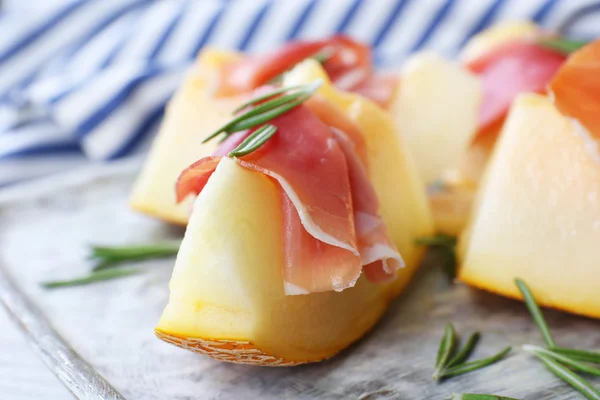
<point>349,66</point>
<point>510,69</point>
<point>576,93</point>
<point>331,226</point>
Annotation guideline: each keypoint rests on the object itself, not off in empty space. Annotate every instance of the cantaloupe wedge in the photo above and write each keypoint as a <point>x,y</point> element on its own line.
<point>436,107</point>
<point>227,298</point>
<point>192,114</point>
<point>537,215</point>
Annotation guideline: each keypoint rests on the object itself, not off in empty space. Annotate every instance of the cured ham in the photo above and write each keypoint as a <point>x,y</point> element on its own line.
<point>348,65</point>
<point>513,68</point>
<point>576,93</point>
<point>331,226</point>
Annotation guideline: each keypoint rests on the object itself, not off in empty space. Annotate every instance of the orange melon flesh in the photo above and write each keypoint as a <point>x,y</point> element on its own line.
<point>227,297</point>
<point>192,114</point>
<point>576,93</point>
<point>537,214</point>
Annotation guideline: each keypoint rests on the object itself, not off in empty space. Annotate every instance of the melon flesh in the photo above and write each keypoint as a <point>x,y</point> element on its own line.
<point>436,108</point>
<point>227,282</point>
<point>192,114</point>
<point>537,215</point>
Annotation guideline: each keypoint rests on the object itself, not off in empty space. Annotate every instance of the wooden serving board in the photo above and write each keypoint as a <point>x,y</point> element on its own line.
<point>44,233</point>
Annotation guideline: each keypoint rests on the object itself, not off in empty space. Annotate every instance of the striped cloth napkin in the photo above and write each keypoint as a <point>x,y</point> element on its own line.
<point>88,80</point>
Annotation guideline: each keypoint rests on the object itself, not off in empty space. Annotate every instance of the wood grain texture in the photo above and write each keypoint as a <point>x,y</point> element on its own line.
<point>45,231</point>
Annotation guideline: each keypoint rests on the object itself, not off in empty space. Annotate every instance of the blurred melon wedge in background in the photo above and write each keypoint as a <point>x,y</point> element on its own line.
<point>497,35</point>
<point>191,115</point>
<point>436,108</point>
<point>227,298</point>
<point>452,204</point>
<point>401,192</point>
<point>537,215</point>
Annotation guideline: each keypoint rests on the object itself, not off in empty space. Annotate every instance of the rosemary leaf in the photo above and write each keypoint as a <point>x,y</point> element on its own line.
<point>570,377</point>
<point>109,257</point>
<point>536,313</point>
<point>255,120</point>
<point>579,355</point>
<point>254,141</point>
<point>474,365</point>
<point>98,276</point>
<point>269,95</point>
<point>564,360</point>
<point>257,114</point>
<point>445,350</point>
<point>322,56</point>
<point>466,351</point>
<point>473,396</point>
<point>437,240</point>
<point>563,45</point>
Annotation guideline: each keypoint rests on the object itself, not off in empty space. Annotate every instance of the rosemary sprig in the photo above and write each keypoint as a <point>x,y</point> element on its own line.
<point>254,141</point>
<point>272,104</point>
<point>569,376</point>
<point>474,396</point>
<point>110,257</point>
<point>563,45</point>
<point>447,366</point>
<point>536,313</point>
<point>563,359</point>
<point>475,365</point>
<point>466,351</point>
<point>97,276</point>
<point>446,245</point>
<point>445,350</point>
<point>579,355</point>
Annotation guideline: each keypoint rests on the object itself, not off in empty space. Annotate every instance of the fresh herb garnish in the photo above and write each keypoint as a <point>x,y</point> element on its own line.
<point>474,396</point>
<point>255,140</point>
<point>555,358</point>
<point>97,276</point>
<point>588,369</point>
<point>579,355</point>
<point>445,245</point>
<point>563,45</point>
<point>466,351</point>
<point>447,366</point>
<point>536,313</point>
<point>110,257</point>
<point>564,373</point>
<point>267,107</point>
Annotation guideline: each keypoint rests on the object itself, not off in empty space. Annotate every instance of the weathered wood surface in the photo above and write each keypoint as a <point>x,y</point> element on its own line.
<point>43,236</point>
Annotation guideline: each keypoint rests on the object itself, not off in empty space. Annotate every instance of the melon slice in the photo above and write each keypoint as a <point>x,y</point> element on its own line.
<point>436,107</point>
<point>497,35</point>
<point>192,114</point>
<point>227,299</point>
<point>537,215</point>
<point>401,193</point>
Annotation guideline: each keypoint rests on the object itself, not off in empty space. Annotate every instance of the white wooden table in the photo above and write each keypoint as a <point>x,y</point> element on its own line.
<point>22,375</point>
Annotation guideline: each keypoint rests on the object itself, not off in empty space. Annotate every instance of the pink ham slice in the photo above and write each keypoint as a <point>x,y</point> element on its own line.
<point>331,228</point>
<point>349,67</point>
<point>510,69</point>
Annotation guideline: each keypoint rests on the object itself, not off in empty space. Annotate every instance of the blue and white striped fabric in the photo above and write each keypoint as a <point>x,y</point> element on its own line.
<point>88,79</point>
